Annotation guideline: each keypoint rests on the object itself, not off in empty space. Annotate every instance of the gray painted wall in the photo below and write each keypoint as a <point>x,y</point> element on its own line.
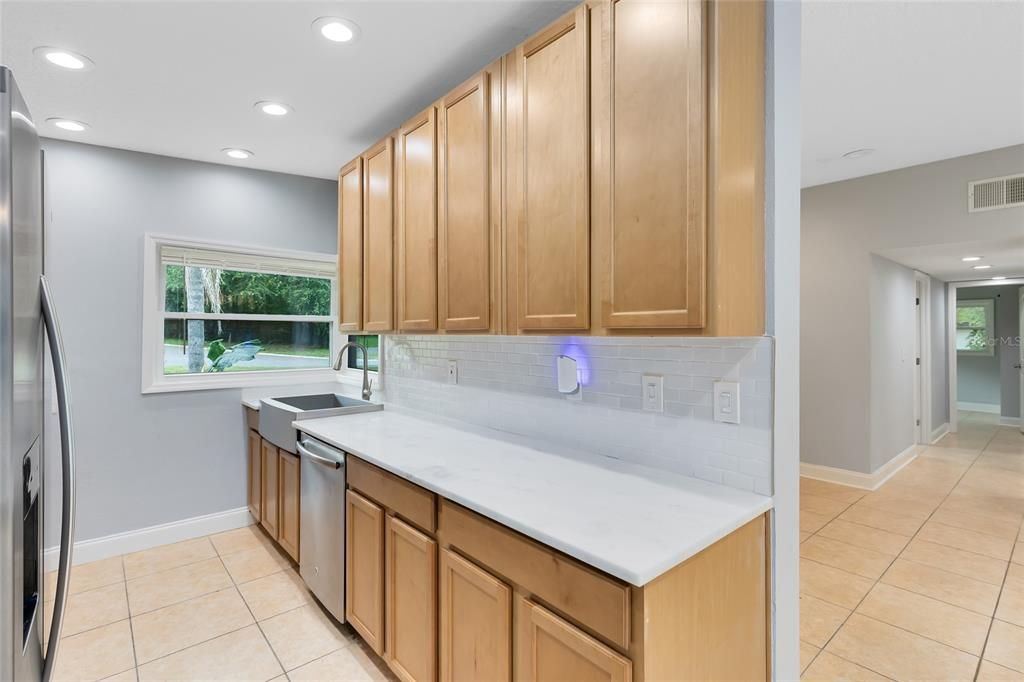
<point>892,293</point>
<point>842,225</point>
<point>151,459</point>
<point>993,379</point>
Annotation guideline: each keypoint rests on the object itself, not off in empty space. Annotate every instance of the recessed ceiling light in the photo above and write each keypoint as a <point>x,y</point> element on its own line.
<point>236,153</point>
<point>859,153</point>
<point>982,267</point>
<point>273,108</point>
<point>68,124</point>
<point>65,59</point>
<point>336,30</point>
<point>999,277</point>
<point>970,259</point>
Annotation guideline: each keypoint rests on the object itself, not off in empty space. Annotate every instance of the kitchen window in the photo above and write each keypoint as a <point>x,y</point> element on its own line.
<point>975,327</point>
<point>219,315</point>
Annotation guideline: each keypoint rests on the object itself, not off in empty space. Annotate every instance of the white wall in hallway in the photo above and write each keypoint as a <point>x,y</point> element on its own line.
<point>842,225</point>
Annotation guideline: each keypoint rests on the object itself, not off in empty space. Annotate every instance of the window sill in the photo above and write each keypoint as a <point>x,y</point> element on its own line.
<point>208,382</point>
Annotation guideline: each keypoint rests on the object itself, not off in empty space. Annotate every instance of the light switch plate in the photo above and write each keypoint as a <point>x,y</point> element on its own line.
<point>453,372</point>
<point>653,388</point>
<point>727,402</point>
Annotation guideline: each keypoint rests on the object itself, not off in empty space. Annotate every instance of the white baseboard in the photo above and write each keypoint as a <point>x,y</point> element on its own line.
<point>1009,421</point>
<point>152,536</point>
<point>978,407</point>
<point>940,432</point>
<point>856,479</point>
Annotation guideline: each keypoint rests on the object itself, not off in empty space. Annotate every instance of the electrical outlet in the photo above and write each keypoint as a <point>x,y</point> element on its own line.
<point>727,402</point>
<point>653,393</point>
<point>453,372</point>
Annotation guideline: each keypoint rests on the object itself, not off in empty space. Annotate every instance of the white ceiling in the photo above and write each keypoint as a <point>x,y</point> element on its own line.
<point>917,81</point>
<point>180,78</point>
<point>942,261</point>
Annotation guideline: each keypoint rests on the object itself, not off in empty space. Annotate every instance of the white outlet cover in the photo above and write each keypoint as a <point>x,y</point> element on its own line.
<point>653,388</point>
<point>727,402</point>
<point>453,372</point>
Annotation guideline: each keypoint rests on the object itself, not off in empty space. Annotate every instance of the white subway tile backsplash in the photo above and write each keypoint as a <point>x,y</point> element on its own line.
<point>508,383</point>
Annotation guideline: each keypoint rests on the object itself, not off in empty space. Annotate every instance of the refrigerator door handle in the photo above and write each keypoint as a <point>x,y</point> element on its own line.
<point>67,442</point>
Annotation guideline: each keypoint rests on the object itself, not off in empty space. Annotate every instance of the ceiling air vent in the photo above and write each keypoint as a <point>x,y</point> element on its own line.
<point>1004,192</point>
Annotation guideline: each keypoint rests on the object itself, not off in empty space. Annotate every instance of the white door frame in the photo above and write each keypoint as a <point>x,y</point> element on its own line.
<point>951,288</point>
<point>923,378</point>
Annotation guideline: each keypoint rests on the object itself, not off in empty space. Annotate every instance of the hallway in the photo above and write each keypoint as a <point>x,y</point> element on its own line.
<point>922,579</point>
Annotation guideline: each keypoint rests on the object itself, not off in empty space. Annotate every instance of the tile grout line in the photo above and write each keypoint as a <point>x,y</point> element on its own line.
<point>1002,586</point>
<point>131,626</point>
<point>252,615</point>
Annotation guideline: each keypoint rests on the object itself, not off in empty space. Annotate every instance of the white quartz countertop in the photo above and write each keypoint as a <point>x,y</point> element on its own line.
<point>628,520</point>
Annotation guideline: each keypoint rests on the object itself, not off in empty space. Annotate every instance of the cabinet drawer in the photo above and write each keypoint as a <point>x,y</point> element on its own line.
<point>252,418</point>
<point>594,600</point>
<point>411,502</point>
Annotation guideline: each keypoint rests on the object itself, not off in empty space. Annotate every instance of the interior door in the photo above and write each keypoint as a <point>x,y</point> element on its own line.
<point>918,336</point>
<point>1020,356</point>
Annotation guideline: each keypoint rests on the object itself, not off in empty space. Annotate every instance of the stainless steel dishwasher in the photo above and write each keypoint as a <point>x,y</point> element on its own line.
<point>322,523</point>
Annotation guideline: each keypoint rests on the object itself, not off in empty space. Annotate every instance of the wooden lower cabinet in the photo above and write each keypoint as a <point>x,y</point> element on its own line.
<point>455,596</point>
<point>549,648</point>
<point>254,478</point>
<point>268,488</point>
<point>288,503</point>
<point>476,623</point>
<point>410,597</point>
<point>364,568</point>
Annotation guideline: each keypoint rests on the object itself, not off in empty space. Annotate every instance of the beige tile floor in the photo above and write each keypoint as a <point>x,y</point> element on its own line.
<point>224,607</point>
<point>922,579</point>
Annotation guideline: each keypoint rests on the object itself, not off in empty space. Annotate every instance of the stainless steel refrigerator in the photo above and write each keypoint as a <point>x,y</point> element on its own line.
<point>26,321</point>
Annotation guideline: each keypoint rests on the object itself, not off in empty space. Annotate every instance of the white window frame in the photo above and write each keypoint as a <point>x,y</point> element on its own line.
<point>153,315</point>
<point>990,325</point>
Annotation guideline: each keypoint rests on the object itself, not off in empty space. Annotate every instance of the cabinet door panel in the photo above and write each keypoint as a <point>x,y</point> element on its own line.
<point>476,620</point>
<point>255,470</point>
<point>417,224</point>
<point>350,246</point>
<point>268,490</point>
<point>410,578</point>
<point>652,254</point>
<point>364,568</point>
<point>549,649</point>
<point>465,207</point>
<point>551,148</point>
<point>378,238</point>
<point>288,499</point>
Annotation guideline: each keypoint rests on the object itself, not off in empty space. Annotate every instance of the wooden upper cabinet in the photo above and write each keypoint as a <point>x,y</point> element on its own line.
<point>476,623</point>
<point>469,216</point>
<point>364,568</point>
<point>649,229</point>
<point>549,185</point>
<point>549,648</point>
<point>416,175</point>
<point>378,237</point>
<point>410,578</point>
<point>350,246</point>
